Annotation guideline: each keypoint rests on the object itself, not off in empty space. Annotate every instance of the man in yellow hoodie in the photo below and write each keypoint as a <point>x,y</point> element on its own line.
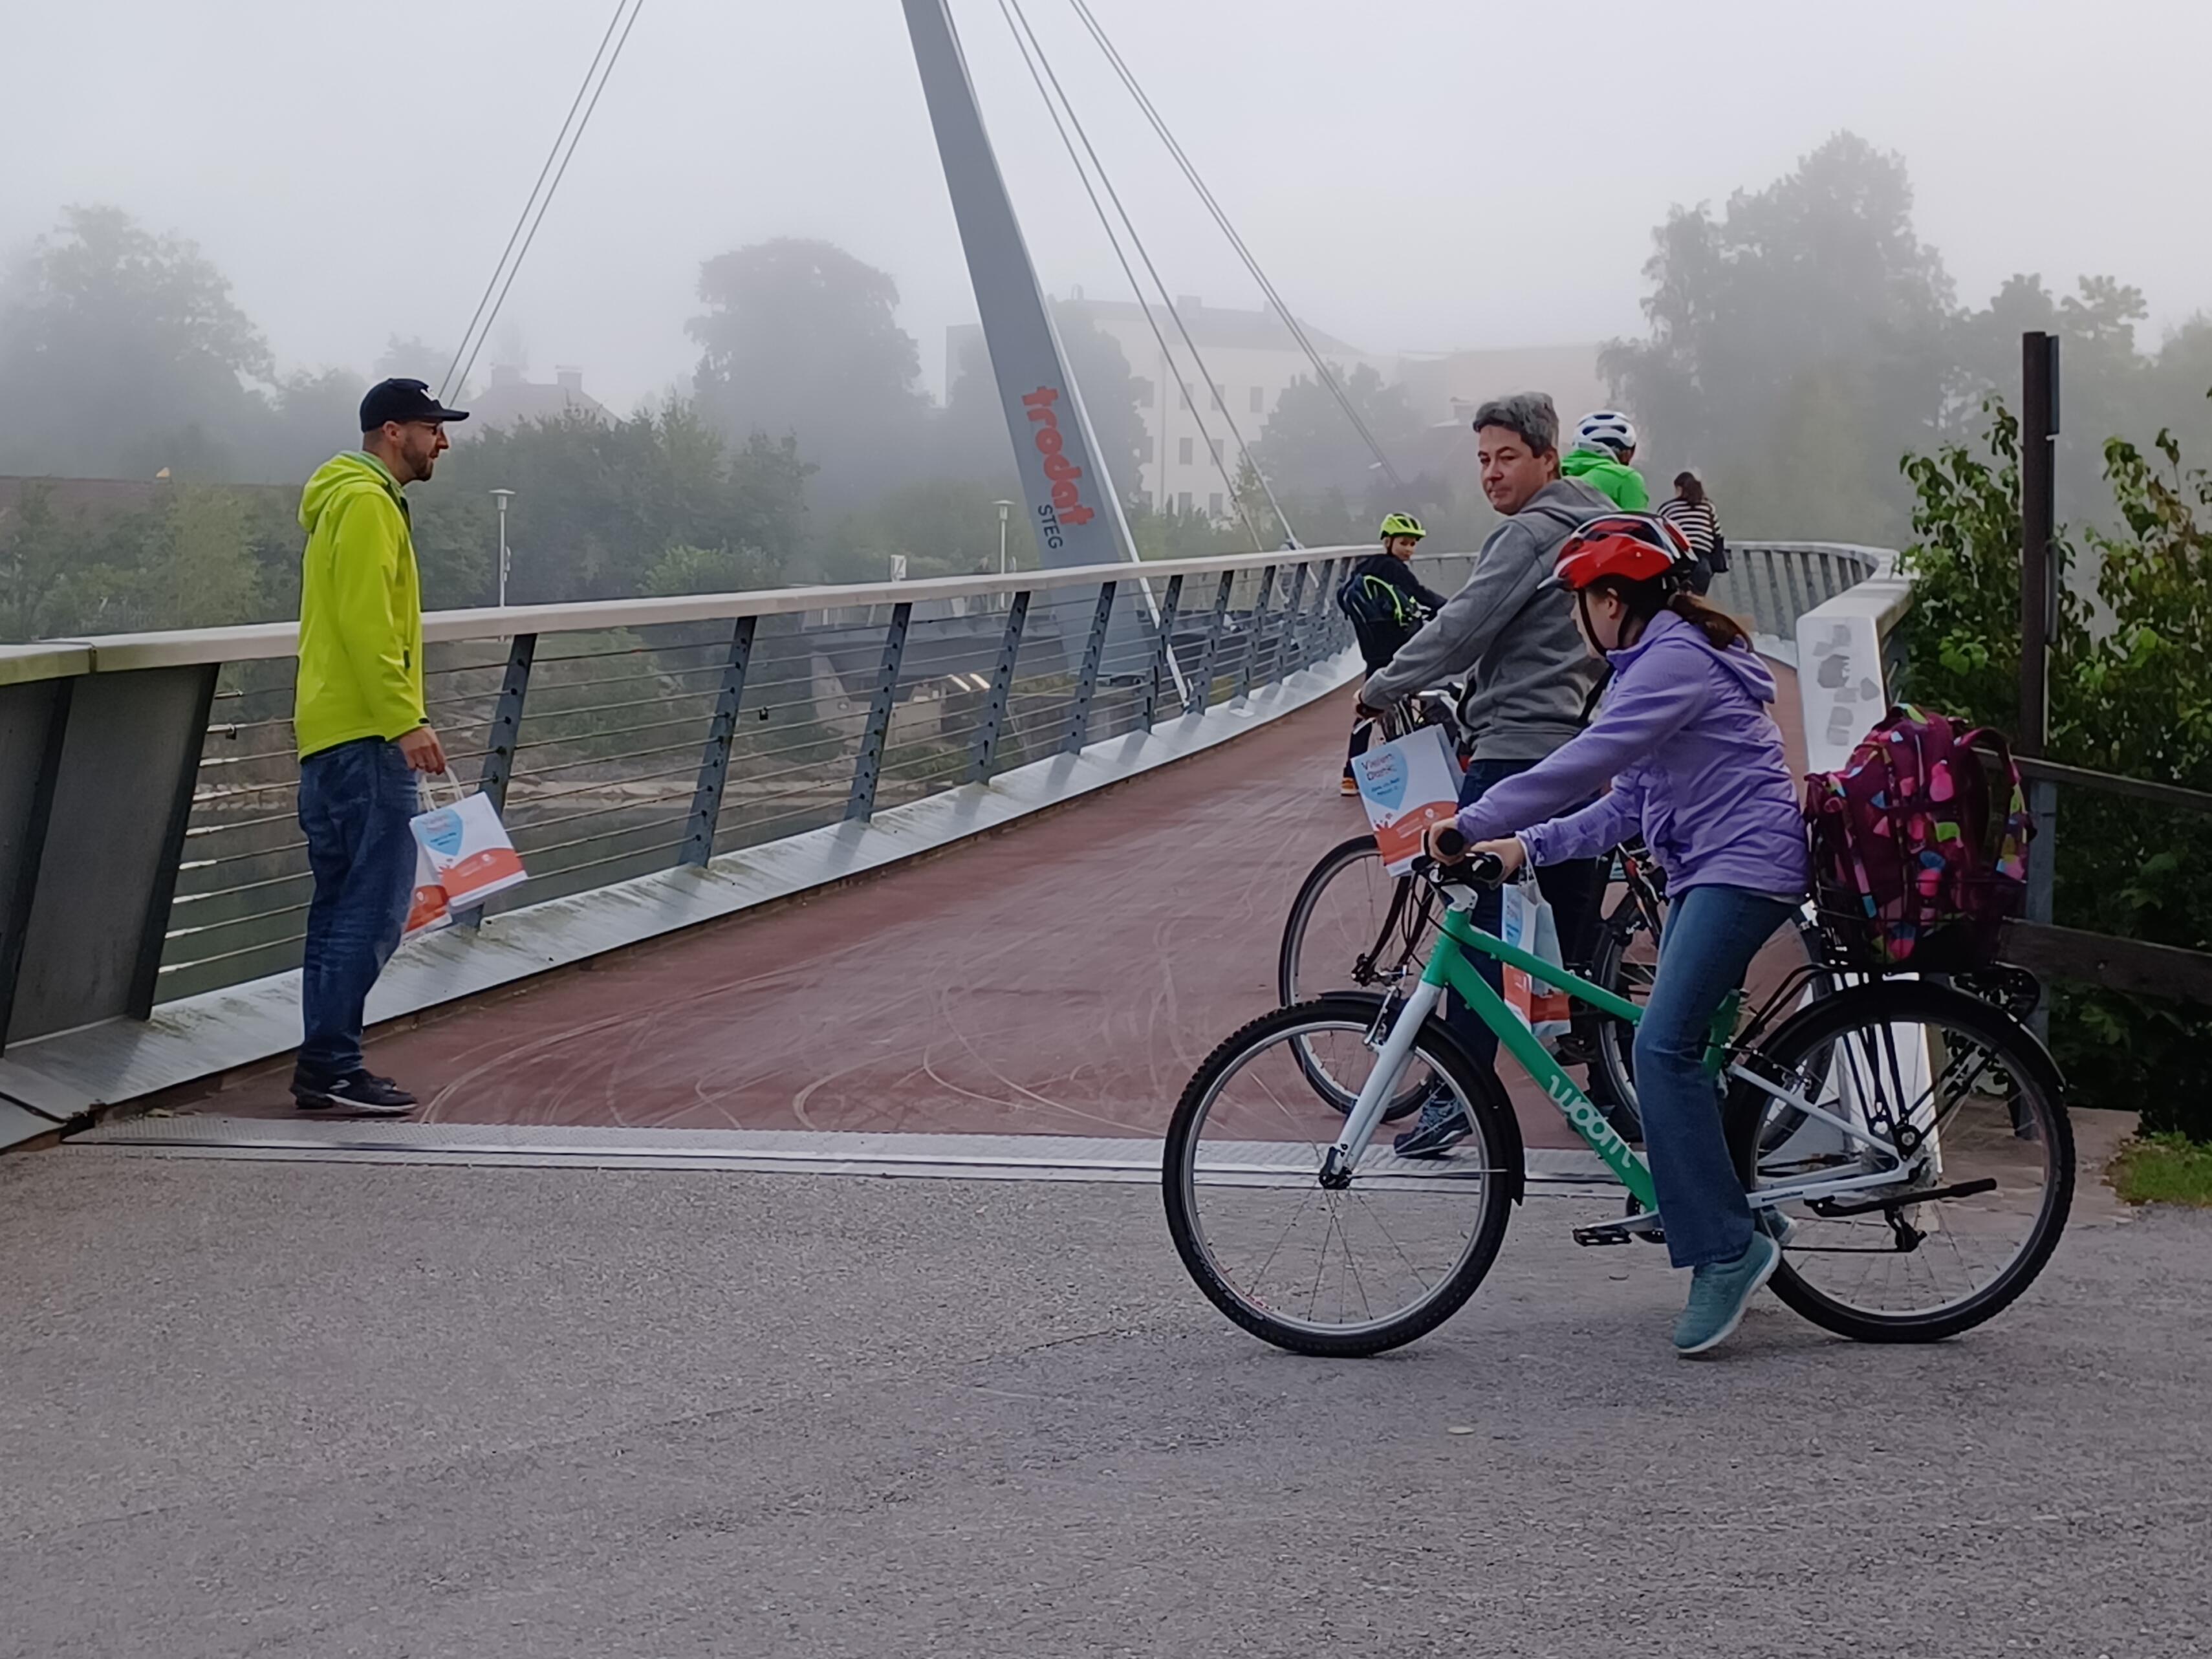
<point>363,735</point>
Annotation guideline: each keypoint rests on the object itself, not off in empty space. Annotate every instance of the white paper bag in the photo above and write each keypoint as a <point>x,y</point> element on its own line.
<point>1407,785</point>
<point>1530,925</point>
<point>428,910</point>
<point>468,847</point>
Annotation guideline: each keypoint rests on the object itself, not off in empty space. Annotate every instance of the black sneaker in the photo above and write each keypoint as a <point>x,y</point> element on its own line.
<point>1443,1125</point>
<point>362,1095</point>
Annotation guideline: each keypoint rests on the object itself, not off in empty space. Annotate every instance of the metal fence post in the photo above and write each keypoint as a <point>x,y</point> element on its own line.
<point>868,765</point>
<point>506,720</point>
<point>1162,649</point>
<point>715,758</point>
<point>2039,576</point>
<point>499,745</point>
<point>1259,633</point>
<point>1313,631</point>
<point>1285,660</point>
<point>1087,683</point>
<point>1204,682</point>
<point>984,754</point>
<point>1771,558</point>
<point>2042,870</point>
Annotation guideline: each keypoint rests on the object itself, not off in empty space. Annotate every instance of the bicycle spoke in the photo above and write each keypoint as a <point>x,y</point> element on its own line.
<point>1985,1154</point>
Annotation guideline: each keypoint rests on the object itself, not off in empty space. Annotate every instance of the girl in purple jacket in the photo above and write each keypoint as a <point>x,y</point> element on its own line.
<point>1697,768</point>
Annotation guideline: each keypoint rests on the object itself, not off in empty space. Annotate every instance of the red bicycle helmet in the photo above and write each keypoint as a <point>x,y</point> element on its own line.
<point>1631,546</point>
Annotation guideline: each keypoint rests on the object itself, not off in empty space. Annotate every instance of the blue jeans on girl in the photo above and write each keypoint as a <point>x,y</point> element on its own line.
<point>1710,936</point>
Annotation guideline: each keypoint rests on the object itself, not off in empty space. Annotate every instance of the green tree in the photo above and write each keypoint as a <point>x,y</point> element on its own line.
<point>2132,697</point>
<point>202,573</point>
<point>943,526</point>
<point>1319,466</point>
<point>599,505</point>
<point>973,425</point>
<point>799,338</point>
<point>1798,342</point>
<point>123,352</point>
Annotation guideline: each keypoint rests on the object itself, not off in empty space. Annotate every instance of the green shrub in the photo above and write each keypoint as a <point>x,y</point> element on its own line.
<point>2130,693</point>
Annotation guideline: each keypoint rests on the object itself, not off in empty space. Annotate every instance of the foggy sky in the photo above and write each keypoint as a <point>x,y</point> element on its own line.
<point>1413,173</point>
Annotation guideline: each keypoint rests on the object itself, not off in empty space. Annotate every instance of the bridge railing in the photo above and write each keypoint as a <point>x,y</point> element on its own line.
<point>148,845</point>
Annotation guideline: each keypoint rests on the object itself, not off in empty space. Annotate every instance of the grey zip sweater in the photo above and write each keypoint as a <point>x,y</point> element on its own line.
<point>1531,673</point>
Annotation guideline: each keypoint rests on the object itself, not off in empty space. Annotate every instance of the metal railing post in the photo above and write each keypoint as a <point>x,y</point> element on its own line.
<point>2042,873</point>
<point>1313,629</point>
<point>1780,613</point>
<point>1285,660</point>
<point>1087,683</point>
<point>506,720</point>
<point>984,754</point>
<point>1162,649</point>
<point>1793,574</point>
<point>1204,681</point>
<point>1259,633</point>
<point>715,758</point>
<point>499,745</point>
<point>868,765</point>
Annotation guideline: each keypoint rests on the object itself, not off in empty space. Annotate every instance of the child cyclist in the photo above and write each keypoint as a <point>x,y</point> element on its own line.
<point>1698,769</point>
<point>1386,603</point>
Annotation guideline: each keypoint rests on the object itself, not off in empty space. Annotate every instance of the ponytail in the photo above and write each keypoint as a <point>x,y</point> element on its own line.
<point>1647,599</point>
<point>1721,630</point>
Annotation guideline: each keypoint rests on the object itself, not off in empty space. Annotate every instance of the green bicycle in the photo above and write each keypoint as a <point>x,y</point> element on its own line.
<point>1907,1142</point>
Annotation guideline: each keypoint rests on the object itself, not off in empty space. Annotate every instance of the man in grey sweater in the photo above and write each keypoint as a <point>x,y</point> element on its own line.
<point>1531,680</point>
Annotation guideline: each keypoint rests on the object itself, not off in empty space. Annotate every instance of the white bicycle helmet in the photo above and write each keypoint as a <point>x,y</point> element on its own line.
<point>1608,427</point>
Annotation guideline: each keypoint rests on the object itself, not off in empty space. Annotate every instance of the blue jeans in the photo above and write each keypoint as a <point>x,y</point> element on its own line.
<point>354,802</point>
<point>1575,888</point>
<point>1711,937</point>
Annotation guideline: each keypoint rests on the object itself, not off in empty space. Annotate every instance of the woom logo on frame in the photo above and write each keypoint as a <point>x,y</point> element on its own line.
<point>1065,507</point>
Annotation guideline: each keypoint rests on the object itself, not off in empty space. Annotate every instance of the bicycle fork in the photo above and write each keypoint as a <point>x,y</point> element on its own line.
<point>1381,1082</point>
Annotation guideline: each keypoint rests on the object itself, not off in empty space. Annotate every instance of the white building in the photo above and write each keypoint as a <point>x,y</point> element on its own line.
<point>1252,359</point>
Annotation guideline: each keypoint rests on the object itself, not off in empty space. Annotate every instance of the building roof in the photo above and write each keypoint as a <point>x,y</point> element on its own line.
<point>509,400</point>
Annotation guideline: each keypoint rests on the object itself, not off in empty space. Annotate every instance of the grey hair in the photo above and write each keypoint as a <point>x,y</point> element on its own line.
<point>1531,415</point>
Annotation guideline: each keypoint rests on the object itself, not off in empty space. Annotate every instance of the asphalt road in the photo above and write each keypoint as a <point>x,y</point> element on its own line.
<point>291,1410</point>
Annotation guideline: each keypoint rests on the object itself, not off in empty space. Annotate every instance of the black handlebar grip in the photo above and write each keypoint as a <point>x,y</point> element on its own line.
<point>1451,843</point>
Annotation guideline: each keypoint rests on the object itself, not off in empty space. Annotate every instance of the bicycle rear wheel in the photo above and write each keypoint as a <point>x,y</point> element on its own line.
<point>1920,1262</point>
<point>1353,927</point>
<point>1385,1258</point>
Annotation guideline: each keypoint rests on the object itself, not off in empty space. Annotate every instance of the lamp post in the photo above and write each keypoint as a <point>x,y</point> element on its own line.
<point>502,496</point>
<point>1004,507</point>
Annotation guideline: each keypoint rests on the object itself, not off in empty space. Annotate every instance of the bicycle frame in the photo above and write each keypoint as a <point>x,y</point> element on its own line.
<point>1454,968</point>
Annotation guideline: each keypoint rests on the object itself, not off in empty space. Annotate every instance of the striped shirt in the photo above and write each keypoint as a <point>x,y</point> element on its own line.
<point>1697,521</point>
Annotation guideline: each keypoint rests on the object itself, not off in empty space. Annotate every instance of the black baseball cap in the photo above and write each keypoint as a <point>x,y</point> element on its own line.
<point>403,401</point>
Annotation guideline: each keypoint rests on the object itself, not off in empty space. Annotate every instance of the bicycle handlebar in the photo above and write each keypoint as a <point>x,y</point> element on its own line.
<point>1485,869</point>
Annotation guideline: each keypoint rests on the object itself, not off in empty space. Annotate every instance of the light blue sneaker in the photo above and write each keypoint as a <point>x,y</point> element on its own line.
<point>1720,1291</point>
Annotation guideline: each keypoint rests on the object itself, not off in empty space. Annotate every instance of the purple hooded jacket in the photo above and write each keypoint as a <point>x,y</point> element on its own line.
<point>1697,768</point>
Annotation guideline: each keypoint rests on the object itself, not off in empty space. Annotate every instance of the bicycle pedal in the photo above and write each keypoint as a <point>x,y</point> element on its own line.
<point>1609,1234</point>
<point>1642,1226</point>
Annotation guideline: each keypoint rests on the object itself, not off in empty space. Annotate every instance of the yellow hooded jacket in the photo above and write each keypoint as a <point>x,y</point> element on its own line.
<point>361,608</point>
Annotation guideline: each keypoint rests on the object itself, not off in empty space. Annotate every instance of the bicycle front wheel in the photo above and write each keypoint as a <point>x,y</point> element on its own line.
<point>1928,1257</point>
<point>1353,927</point>
<point>1343,1272</point>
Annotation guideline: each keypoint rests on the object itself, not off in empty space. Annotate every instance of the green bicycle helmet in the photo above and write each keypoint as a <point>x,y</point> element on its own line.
<point>1402,524</point>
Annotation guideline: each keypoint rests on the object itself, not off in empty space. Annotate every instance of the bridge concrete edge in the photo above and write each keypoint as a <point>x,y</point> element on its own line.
<point>116,1062</point>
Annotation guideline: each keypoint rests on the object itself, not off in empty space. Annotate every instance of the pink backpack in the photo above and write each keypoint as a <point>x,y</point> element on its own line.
<point>1903,865</point>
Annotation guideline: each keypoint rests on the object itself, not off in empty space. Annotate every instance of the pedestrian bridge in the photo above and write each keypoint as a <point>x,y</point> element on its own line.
<point>904,875</point>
